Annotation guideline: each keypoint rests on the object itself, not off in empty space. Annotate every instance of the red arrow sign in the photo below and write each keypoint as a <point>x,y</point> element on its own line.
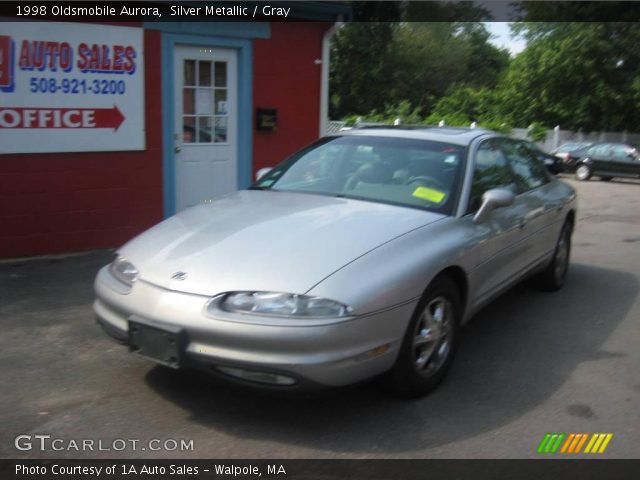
<point>109,117</point>
<point>24,117</point>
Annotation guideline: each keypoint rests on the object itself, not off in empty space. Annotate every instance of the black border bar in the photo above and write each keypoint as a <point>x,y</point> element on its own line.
<point>579,469</point>
<point>355,11</point>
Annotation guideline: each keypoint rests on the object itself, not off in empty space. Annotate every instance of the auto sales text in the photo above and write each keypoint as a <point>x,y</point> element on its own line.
<point>97,470</point>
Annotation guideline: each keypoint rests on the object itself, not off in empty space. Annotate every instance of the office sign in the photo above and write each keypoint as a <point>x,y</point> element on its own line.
<point>71,87</point>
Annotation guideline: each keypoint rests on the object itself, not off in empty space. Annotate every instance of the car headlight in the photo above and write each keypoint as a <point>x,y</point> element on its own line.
<point>124,271</point>
<point>279,305</point>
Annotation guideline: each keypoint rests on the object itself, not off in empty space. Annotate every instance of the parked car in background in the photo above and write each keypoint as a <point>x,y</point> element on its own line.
<point>361,255</point>
<point>608,160</point>
<point>569,152</point>
<point>553,163</point>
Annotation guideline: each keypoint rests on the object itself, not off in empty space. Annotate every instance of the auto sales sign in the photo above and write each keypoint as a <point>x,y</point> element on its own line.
<point>68,87</point>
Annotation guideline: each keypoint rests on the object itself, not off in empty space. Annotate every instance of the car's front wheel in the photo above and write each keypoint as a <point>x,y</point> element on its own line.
<point>430,341</point>
<point>583,172</point>
<point>553,277</point>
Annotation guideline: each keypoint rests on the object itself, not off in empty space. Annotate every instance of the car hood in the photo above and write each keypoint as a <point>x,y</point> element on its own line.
<point>265,240</point>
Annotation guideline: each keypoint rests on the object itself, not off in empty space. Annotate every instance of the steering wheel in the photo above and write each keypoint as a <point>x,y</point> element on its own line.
<point>425,181</point>
<point>351,183</point>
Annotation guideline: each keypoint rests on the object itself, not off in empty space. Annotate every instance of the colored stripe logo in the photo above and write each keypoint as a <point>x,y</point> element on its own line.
<point>574,443</point>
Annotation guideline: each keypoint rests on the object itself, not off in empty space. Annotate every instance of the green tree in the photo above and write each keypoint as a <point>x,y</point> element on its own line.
<point>360,67</point>
<point>575,75</point>
<point>427,58</point>
<point>379,64</point>
<point>474,105</point>
<point>360,58</point>
<point>486,63</point>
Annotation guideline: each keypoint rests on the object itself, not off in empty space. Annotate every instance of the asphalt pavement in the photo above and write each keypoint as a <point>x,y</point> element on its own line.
<point>530,363</point>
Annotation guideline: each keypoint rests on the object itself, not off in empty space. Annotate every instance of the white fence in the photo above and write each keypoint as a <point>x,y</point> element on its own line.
<point>334,126</point>
<point>554,139</point>
<point>557,137</point>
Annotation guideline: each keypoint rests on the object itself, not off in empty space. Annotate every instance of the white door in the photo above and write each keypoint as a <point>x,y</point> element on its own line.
<point>206,117</point>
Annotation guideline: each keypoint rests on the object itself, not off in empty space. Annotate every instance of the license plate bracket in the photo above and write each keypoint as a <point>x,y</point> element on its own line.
<point>164,345</point>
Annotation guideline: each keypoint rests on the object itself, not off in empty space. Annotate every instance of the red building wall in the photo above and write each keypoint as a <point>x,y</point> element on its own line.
<point>286,77</point>
<point>65,202</point>
<point>69,202</point>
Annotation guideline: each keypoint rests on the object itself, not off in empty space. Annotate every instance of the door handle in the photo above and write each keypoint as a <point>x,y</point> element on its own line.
<point>557,206</point>
<point>178,148</point>
<point>533,214</point>
<point>522,222</point>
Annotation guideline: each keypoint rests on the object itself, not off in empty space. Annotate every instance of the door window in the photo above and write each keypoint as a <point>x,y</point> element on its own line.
<point>599,151</point>
<point>204,105</point>
<point>491,171</point>
<point>529,170</point>
<point>621,152</point>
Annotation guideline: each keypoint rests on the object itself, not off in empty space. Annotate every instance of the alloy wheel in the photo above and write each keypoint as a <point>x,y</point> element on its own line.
<point>583,172</point>
<point>562,257</point>
<point>432,336</point>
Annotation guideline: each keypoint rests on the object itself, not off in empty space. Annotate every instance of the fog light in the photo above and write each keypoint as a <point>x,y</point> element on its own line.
<point>260,377</point>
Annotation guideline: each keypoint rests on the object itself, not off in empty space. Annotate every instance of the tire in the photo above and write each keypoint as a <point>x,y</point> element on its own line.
<point>553,277</point>
<point>583,172</point>
<point>421,364</point>
<point>606,179</point>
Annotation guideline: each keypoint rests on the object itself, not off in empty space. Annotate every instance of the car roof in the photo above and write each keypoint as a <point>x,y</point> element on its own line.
<point>453,135</point>
<point>605,142</point>
<point>575,144</point>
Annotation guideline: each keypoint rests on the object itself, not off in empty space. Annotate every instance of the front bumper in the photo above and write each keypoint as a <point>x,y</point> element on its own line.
<point>332,354</point>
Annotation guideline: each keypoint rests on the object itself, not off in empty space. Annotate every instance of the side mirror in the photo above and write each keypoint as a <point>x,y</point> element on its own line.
<point>492,199</point>
<point>262,172</point>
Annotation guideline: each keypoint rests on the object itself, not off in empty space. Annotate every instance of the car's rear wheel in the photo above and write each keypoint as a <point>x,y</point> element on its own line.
<point>553,277</point>
<point>606,179</point>
<point>430,341</point>
<point>583,172</point>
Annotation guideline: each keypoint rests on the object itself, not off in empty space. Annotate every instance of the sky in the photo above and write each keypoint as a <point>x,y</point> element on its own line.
<point>502,37</point>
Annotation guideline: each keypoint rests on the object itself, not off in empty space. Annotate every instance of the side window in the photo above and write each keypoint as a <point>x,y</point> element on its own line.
<point>491,171</point>
<point>600,151</point>
<point>621,152</point>
<point>529,170</point>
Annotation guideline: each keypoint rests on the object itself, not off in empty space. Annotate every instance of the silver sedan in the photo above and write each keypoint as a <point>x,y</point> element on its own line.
<point>360,256</point>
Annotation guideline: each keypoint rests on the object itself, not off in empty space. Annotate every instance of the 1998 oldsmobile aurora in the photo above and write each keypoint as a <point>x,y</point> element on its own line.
<point>361,255</point>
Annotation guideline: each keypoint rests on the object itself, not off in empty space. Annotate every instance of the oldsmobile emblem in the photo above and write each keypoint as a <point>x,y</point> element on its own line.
<point>179,276</point>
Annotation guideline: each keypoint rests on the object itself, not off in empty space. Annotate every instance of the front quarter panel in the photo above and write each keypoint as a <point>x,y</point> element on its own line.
<point>399,271</point>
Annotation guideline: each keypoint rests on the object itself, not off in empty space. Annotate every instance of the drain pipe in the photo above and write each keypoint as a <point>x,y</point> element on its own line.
<point>324,79</point>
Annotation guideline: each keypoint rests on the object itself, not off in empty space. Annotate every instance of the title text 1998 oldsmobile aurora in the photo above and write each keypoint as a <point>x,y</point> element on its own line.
<point>361,255</point>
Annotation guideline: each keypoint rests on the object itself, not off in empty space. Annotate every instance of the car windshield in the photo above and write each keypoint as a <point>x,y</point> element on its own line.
<point>398,171</point>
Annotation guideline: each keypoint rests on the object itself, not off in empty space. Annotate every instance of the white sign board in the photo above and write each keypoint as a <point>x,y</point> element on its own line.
<point>70,87</point>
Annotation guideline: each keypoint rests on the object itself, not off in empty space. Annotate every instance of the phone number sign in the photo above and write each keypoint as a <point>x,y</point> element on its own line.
<point>71,88</point>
